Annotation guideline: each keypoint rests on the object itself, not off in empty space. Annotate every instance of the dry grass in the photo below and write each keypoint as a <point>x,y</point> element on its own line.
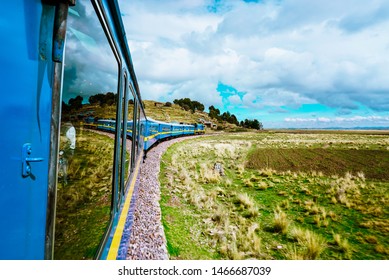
<point>343,245</point>
<point>247,204</point>
<point>208,174</point>
<point>280,222</point>
<point>309,245</point>
<point>280,200</point>
<point>314,244</point>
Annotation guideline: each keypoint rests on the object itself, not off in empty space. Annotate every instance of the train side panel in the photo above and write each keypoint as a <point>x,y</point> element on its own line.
<point>151,134</point>
<point>176,130</point>
<point>199,128</point>
<point>164,131</point>
<point>129,129</point>
<point>25,114</point>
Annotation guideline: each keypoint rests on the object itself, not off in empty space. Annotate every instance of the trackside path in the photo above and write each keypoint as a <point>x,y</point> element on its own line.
<point>147,241</point>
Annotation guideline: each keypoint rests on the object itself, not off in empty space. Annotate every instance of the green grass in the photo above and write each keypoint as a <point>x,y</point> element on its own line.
<point>276,211</point>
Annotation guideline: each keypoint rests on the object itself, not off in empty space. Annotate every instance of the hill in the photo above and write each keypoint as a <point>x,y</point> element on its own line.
<point>154,110</point>
<point>175,113</point>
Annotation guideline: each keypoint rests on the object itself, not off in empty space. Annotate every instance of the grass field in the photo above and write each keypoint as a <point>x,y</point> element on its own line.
<point>84,197</point>
<point>282,196</point>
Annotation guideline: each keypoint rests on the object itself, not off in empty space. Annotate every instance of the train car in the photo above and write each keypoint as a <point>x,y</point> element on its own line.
<point>106,125</point>
<point>154,131</point>
<point>177,130</point>
<point>65,191</point>
<point>188,129</point>
<point>199,128</point>
<point>130,129</point>
<point>164,130</point>
<point>151,134</point>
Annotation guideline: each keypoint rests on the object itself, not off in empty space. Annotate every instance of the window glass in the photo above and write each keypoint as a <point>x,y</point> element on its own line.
<point>127,109</point>
<point>86,158</point>
<point>130,129</point>
<point>138,132</point>
<point>134,133</point>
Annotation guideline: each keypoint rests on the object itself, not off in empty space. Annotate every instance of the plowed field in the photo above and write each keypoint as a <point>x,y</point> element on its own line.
<point>373,163</point>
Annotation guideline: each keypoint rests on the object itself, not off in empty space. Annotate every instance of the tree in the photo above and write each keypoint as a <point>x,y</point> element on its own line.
<point>255,124</point>
<point>102,99</point>
<point>76,103</point>
<point>234,120</point>
<point>65,108</point>
<point>185,107</point>
<point>110,98</point>
<point>188,104</point>
<point>214,112</point>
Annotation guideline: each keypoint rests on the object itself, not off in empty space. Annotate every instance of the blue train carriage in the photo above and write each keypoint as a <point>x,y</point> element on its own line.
<point>199,128</point>
<point>60,182</point>
<point>151,133</point>
<point>164,130</point>
<point>106,125</point>
<point>130,129</point>
<point>188,129</point>
<point>89,122</point>
<point>177,129</point>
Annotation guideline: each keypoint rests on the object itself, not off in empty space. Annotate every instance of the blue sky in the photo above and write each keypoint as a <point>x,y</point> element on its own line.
<point>288,63</point>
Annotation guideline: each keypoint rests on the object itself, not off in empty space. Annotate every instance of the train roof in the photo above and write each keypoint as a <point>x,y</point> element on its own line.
<point>172,123</point>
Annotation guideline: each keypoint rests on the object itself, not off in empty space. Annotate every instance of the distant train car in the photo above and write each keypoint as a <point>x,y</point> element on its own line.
<point>154,131</point>
<point>151,134</point>
<point>106,125</point>
<point>199,128</point>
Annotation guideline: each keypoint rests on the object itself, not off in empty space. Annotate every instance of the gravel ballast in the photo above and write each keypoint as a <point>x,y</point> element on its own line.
<point>147,240</point>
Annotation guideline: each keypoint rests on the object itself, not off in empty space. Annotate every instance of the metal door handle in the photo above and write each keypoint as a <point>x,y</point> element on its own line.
<point>26,152</point>
<point>36,159</point>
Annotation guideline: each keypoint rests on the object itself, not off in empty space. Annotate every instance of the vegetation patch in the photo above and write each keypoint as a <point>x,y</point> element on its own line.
<point>274,211</point>
<point>83,196</point>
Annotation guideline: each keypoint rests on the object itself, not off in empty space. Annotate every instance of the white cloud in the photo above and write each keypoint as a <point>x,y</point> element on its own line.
<point>353,121</point>
<point>235,99</point>
<point>278,53</point>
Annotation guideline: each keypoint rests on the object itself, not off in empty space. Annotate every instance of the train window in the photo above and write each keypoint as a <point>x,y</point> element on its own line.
<point>125,134</point>
<point>86,158</point>
<point>138,133</point>
<point>141,129</point>
<point>134,134</point>
<point>130,130</point>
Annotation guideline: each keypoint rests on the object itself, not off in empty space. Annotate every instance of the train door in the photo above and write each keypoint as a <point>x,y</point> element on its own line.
<point>26,68</point>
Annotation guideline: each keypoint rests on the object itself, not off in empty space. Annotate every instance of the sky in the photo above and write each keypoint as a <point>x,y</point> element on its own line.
<point>287,63</point>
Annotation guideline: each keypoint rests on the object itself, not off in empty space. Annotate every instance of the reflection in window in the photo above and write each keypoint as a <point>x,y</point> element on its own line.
<point>139,146</point>
<point>124,141</point>
<point>84,191</point>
